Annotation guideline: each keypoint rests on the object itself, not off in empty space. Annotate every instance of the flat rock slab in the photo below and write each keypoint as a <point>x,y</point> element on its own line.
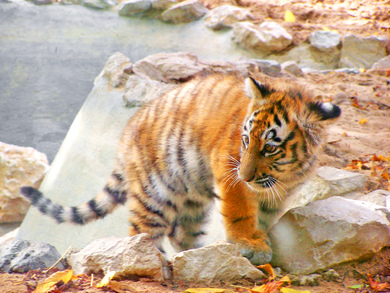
<point>328,232</point>
<point>219,262</point>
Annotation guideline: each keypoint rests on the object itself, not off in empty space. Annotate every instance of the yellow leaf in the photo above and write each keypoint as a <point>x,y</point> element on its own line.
<point>363,121</point>
<point>325,28</point>
<point>204,290</point>
<point>49,282</point>
<point>289,16</point>
<point>289,290</point>
<point>106,280</point>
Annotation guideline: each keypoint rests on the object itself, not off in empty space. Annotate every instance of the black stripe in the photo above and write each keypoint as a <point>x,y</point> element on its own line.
<point>277,121</point>
<point>239,219</point>
<point>197,234</point>
<point>193,204</point>
<point>119,197</point>
<point>118,176</point>
<point>135,226</point>
<point>99,212</point>
<point>43,204</point>
<point>32,194</point>
<point>57,212</point>
<point>76,216</point>
<point>149,208</point>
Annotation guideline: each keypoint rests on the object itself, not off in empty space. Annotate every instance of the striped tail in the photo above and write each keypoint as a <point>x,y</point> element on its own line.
<point>104,203</point>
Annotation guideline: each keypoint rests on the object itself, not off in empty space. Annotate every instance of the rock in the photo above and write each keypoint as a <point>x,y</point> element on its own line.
<point>19,166</point>
<point>328,232</point>
<point>327,182</point>
<point>163,4</point>
<point>20,256</point>
<point>171,67</point>
<point>117,70</point>
<point>185,11</point>
<point>308,58</point>
<point>127,256</point>
<point>325,46</point>
<point>134,7</point>
<point>95,4</point>
<point>219,262</point>
<point>225,16</point>
<point>42,2</point>
<point>267,37</point>
<point>383,63</point>
<point>293,68</point>
<point>269,67</point>
<point>140,91</point>
<point>70,2</point>
<point>325,40</point>
<point>377,197</point>
<point>361,53</point>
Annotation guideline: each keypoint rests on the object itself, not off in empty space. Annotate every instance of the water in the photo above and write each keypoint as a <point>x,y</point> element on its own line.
<point>50,55</point>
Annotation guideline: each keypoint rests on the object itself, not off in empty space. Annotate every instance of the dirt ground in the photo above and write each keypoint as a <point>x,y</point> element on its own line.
<point>359,141</point>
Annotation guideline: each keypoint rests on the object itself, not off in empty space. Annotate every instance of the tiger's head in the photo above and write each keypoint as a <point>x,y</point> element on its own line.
<point>281,136</point>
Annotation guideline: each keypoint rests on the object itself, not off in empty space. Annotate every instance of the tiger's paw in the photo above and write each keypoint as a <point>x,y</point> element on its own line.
<point>258,251</point>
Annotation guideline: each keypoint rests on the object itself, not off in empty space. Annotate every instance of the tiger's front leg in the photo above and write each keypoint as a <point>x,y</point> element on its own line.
<point>240,210</point>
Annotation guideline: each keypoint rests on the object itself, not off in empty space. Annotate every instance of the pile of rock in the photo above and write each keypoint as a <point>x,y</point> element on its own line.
<point>324,50</point>
<point>328,220</point>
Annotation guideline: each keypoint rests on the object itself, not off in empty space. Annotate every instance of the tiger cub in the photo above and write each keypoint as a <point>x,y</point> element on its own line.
<point>246,142</point>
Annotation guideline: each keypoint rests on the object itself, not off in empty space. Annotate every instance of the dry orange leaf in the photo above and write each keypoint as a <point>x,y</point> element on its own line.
<point>268,268</point>
<point>272,287</point>
<point>48,284</point>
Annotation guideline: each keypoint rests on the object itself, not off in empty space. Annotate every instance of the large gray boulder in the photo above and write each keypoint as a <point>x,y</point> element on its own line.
<point>84,163</point>
<point>328,232</point>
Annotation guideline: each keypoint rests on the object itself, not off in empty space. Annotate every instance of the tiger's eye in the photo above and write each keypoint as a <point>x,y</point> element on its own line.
<point>245,139</point>
<point>269,148</point>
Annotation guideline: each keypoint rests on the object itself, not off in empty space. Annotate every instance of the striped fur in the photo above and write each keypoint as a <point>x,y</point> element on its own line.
<point>247,143</point>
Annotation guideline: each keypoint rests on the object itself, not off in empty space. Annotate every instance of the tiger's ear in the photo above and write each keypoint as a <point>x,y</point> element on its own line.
<point>323,111</point>
<point>256,91</point>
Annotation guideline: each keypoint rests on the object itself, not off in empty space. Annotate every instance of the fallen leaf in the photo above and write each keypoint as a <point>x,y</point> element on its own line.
<point>204,290</point>
<point>50,282</point>
<point>356,103</point>
<point>363,121</point>
<point>289,290</point>
<point>360,286</point>
<point>378,286</point>
<point>106,280</point>
<point>289,16</point>
<point>272,287</point>
<point>268,268</point>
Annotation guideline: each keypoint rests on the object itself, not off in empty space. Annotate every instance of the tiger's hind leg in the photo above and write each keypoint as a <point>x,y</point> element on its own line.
<point>150,220</point>
<point>187,231</point>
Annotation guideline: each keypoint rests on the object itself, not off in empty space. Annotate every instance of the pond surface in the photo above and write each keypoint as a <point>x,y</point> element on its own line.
<point>50,55</point>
